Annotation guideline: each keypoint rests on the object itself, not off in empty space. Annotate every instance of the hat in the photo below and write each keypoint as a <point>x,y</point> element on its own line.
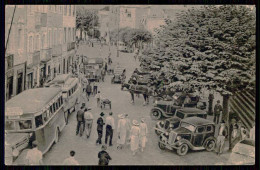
<point>142,119</point>
<point>218,101</point>
<point>102,114</point>
<point>126,115</point>
<point>111,113</point>
<point>83,105</point>
<point>121,116</point>
<point>103,147</point>
<point>135,122</point>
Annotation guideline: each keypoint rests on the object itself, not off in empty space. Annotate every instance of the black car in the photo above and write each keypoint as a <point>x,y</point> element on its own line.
<point>193,133</point>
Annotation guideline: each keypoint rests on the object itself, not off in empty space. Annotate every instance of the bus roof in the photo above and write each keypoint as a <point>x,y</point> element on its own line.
<point>70,82</point>
<point>60,78</point>
<point>33,100</point>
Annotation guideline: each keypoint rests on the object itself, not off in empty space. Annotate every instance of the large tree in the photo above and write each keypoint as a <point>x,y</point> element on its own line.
<point>213,46</point>
<point>86,20</point>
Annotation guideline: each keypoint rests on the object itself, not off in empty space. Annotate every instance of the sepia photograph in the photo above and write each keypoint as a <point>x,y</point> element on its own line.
<point>130,85</point>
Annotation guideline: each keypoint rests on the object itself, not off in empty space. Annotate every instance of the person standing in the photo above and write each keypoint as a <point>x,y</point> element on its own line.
<point>100,124</point>
<point>88,121</point>
<point>110,126</point>
<point>128,128</point>
<point>88,90</point>
<point>221,138</point>
<point>252,132</point>
<point>98,97</point>
<point>121,131</point>
<point>106,67</point>
<point>135,133</point>
<point>217,111</point>
<point>143,134</point>
<point>34,156</point>
<point>95,87</point>
<point>80,120</point>
<point>211,98</point>
<point>103,156</point>
<point>71,160</point>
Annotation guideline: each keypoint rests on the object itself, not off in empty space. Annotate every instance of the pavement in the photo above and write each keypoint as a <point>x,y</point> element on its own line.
<point>87,150</point>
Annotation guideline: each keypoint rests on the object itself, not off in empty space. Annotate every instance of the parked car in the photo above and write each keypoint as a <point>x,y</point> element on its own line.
<point>163,109</point>
<point>193,133</point>
<point>243,153</point>
<point>118,77</point>
<point>173,122</point>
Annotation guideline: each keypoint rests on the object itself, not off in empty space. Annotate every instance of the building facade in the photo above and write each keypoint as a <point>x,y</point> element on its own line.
<point>40,46</point>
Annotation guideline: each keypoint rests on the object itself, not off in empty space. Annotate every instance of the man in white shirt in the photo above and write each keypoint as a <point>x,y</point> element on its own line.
<point>88,121</point>
<point>110,126</point>
<point>70,160</point>
<point>34,157</point>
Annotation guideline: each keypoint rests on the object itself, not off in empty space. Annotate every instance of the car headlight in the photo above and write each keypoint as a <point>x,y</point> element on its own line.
<point>171,125</point>
<point>178,138</point>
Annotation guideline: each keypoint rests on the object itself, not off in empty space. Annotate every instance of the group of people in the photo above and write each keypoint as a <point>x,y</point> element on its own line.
<point>135,134</point>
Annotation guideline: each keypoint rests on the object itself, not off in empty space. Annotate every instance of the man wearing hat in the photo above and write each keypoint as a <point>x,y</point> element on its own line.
<point>143,134</point>
<point>80,119</point>
<point>221,138</point>
<point>103,156</point>
<point>100,124</point>
<point>88,121</point>
<point>121,131</point>
<point>109,128</point>
<point>135,133</point>
<point>217,111</point>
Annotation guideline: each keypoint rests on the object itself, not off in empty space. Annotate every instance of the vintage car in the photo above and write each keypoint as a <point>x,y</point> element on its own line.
<point>173,122</point>
<point>93,72</point>
<point>193,133</point>
<point>118,76</point>
<point>163,109</point>
<point>94,61</point>
<point>243,153</point>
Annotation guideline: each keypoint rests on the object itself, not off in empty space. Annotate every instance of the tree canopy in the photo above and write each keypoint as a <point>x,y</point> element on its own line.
<point>212,46</point>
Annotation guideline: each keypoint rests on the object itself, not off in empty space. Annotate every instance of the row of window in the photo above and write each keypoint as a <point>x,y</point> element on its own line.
<point>67,10</point>
<point>41,119</point>
<point>73,89</point>
<point>37,42</point>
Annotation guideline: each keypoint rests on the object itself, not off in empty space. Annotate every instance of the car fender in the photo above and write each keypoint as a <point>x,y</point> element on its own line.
<point>157,108</point>
<point>209,138</point>
<point>182,141</point>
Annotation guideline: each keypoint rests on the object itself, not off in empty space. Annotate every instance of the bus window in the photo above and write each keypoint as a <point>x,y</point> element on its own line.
<point>69,93</point>
<point>9,125</point>
<point>61,100</point>
<point>54,108</point>
<point>45,116</point>
<point>51,111</point>
<point>57,105</point>
<point>25,124</point>
<point>38,121</point>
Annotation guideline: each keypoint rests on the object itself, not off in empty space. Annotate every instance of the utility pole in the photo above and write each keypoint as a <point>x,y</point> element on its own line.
<point>10,29</point>
<point>118,20</point>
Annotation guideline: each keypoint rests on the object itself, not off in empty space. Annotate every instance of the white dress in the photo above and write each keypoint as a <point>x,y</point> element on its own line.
<point>143,133</point>
<point>121,130</point>
<point>135,133</point>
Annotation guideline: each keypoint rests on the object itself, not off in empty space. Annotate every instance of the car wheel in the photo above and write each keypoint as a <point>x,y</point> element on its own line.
<point>56,140</point>
<point>210,145</point>
<point>183,149</point>
<point>161,146</point>
<point>156,114</point>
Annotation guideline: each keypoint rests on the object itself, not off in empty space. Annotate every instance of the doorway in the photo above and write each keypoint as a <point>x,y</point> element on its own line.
<point>9,88</point>
<point>19,83</point>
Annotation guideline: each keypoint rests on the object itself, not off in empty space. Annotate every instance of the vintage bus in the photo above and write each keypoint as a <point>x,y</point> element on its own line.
<point>38,112</point>
<point>71,91</point>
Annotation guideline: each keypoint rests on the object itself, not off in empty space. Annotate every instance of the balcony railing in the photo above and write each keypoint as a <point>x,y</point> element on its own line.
<point>46,54</point>
<point>40,19</point>
<point>56,50</point>
<point>70,46</point>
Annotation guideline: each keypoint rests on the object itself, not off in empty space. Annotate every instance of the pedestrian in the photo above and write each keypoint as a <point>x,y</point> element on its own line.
<point>143,134</point>
<point>252,132</point>
<point>121,131</point>
<point>217,111</point>
<point>211,98</point>
<point>105,67</point>
<point>103,156</point>
<point>88,90</point>
<point>34,156</point>
<point>98,97</point>
<point>95,87</point>
<point>135,133</point>
<point>80,120</point>
<point>221,138</point>
<point>103,75</point>
<point>100,124</point>
<point>71,160</point>
<point>110,126</point>
<point>128,129</point>
<point>88,121</point>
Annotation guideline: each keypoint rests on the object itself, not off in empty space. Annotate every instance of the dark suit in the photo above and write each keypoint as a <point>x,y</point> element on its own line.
<point>80,119</point>
<point>217,110</point>
<point>100,124</point>
<point>103,158</point>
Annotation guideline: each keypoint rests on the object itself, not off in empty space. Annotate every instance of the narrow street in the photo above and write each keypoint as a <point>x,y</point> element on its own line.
<point>86,149</point>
